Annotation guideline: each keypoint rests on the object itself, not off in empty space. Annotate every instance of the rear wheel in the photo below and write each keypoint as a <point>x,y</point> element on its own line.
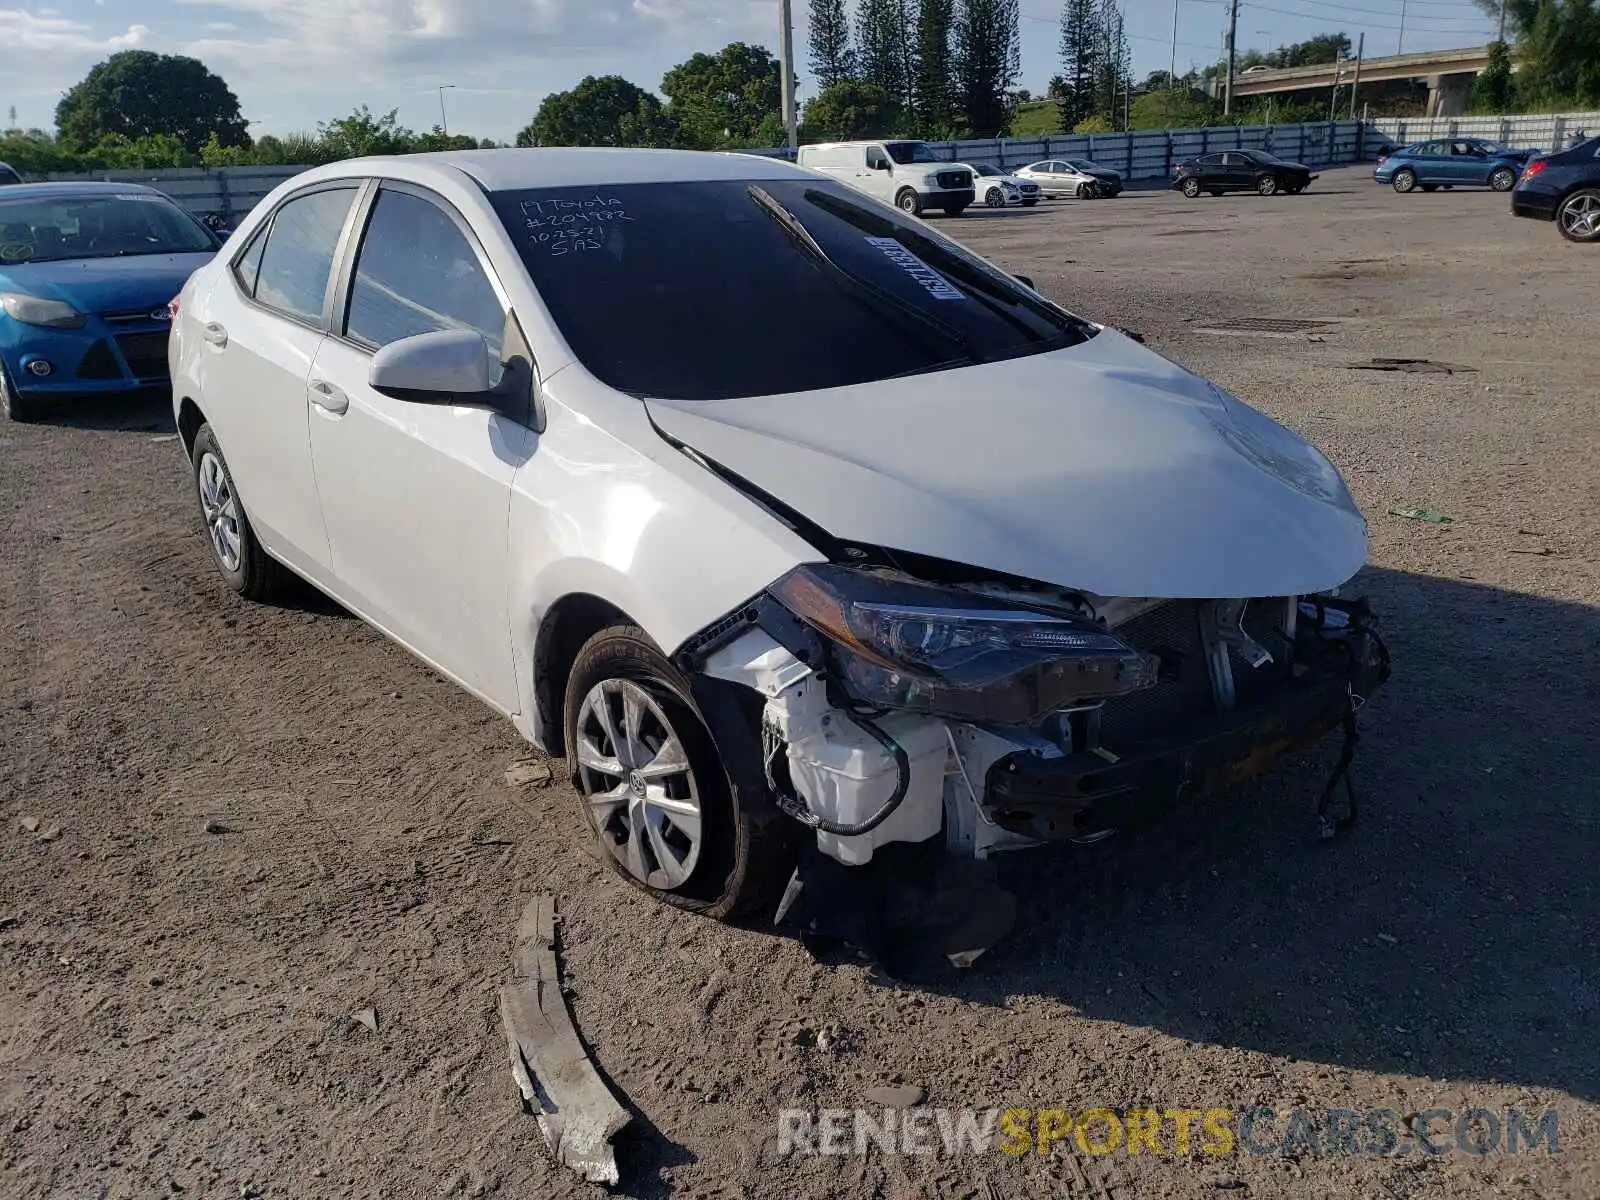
<point>16,408</point>
<point>1578,217</point>
<point>909,202</point>
<point>1404,181</point>
<point>1502,179</point>
<point>654,791</point>
<point>1191,188</point>
<point>1267,185</point>
<point>248,568</point>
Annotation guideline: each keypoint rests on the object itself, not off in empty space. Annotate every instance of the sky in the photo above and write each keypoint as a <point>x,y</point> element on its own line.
<point>295,62</point>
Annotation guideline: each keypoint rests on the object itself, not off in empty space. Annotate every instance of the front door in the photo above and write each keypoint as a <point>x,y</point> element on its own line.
<point>263,326</point>
<point>416,496</point>
<point>877,174</point>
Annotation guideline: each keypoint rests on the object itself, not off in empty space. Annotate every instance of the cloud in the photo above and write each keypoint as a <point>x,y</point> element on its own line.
<point>136,36</point>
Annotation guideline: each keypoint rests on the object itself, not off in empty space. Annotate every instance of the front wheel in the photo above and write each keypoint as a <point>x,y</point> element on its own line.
<point>994,198</point>
<point>909,202</point>
<point>1088,191</point>
<point>1503,179</point>
<point>248,569</point>
<point>654,791</point>
<point>16,407</point>
<point>1578,218</point>
<point>1267,185</point>
<point>1404,181</point>
<point>1191,188</point>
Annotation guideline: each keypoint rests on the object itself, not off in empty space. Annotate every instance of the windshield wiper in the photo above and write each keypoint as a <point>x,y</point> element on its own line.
<point>796,229</point>
<point>999,299</point>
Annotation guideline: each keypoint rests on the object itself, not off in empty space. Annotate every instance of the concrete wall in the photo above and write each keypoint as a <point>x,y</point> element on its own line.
<point>1544,131</point>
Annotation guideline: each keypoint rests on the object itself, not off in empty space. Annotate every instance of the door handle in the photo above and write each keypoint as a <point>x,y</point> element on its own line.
<point>328,398</point>
<point>215,335</point>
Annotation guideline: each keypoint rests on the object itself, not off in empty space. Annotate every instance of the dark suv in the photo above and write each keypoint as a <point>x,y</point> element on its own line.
<point>1564,188</point>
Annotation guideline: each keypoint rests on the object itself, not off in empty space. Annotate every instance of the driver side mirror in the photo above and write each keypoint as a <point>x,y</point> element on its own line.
<point>1025,281</point>
<point>450,366</point>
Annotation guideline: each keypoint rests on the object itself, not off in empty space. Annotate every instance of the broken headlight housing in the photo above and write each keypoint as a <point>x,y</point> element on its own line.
<point>903,644</point>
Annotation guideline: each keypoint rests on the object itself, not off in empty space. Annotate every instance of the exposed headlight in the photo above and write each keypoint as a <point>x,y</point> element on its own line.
<point>930,181</point>
<point>33,310</point>
<point>904,644</point>
<point>1280,452</point>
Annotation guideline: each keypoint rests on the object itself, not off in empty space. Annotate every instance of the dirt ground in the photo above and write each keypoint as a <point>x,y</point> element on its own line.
<point>176,1003</point>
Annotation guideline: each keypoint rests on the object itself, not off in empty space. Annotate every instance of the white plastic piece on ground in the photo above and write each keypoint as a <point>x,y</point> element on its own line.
<point>967,829</point>
<point>845,775</point>
<point>758,662</point>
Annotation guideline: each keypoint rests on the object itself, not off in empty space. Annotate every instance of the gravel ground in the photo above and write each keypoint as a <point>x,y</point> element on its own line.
<point>270,819</point>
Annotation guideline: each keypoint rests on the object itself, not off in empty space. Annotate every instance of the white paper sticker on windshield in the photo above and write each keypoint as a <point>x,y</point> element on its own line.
<point>938,286</point>
<point>145,196</point>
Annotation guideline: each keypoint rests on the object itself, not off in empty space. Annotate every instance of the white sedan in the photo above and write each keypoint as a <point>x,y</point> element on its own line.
<point>779,514</point>
<point>997,189</point>
<point>1072,177</point>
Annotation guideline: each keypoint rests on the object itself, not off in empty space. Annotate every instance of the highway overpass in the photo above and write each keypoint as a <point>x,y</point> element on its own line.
<point>1448,74</point>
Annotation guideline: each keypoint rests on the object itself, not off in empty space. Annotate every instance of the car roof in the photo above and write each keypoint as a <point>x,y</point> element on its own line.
<point>572,166</point>
<point>78,187</point>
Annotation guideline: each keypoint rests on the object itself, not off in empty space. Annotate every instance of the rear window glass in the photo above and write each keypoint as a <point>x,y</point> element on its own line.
<point>699,291</point>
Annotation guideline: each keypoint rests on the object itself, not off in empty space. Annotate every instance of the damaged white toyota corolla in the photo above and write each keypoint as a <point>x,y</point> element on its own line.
<point>780,514</point>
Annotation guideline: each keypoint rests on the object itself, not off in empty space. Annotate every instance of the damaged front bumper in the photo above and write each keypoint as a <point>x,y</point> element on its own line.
<point>1243,685</point>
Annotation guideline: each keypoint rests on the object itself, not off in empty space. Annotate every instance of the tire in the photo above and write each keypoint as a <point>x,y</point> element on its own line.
<point>1267,185</point>
<point>246,567</point>
<point>732,864</point>
<point>1578,216</point>
<point>1087,191</point>
<point>909,202</point>
<point>1191,188</point>
<point>1404,181</point>
<point>1502,179</point>
<point>16,407</point>
<point>994,198</point>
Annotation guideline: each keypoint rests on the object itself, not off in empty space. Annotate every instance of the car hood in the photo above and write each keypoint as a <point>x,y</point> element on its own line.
<point>1105,173</point>
<point>1101,467</point>
<point>97,285</point>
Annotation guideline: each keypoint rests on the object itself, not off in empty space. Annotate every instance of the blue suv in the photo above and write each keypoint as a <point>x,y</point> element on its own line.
<point>1453,162</point>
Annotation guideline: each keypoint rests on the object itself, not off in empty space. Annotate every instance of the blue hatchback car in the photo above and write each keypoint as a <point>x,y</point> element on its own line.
<point>1452,162</point>
<point>87,271</point>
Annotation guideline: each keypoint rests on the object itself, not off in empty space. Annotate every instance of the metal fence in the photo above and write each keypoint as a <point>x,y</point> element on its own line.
<point>231,192</point>
<point>1543,131</point>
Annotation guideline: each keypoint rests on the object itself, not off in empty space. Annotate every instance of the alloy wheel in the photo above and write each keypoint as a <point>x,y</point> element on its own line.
<point>221,509</point>
<point>1503,180</point>
<point>1579,217</point>
<point>635,777</point>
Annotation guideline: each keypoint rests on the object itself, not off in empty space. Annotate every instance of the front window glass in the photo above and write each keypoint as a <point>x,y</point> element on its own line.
<point>293,277</point>
<point>417,273</point>
<point>989,171</point>
<point>62,227</point>
<point>720,289</point>
<point>910,152</point>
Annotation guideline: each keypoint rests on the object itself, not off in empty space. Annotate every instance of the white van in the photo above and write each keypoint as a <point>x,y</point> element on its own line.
<point>903,173</point>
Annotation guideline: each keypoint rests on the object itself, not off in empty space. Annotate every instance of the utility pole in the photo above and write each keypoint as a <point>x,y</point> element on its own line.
<point>1355,82</point>
<point>1333,98</point>
<point>791,121</point>
<point>1172,68</point>
<point>1233,39</point>
<point>444,118</point>
<point>1499,37</point>
<point>1400,42</point>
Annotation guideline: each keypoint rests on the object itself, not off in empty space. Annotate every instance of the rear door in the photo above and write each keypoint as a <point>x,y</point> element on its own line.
<point>1212,173</point>
<point>1432,162</point>
<point>262,328</point>
<point>416,496</point>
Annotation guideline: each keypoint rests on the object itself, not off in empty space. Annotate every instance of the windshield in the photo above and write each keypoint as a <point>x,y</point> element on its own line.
<point>910,152</point>
<point>58,228</point>
<point>720,289</point>
<point>991,171</point>
<point>1083,164</point>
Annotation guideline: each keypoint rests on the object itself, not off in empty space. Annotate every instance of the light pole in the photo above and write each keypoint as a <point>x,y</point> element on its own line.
<point>1172,67</point>
<point>444,119</point>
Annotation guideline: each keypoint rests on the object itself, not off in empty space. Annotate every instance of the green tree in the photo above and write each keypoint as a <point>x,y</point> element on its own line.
<point>885,46</point>
<point>137,94</point>
<point>361,134</point>
<point>1491,91</point>
<point>1558,48</point>
<point>720,101</point>
<point>988,57</point>
<point>214,154</point>
<point>115,152</point>
<point>933,72</point>
<point>1113,63</point>
<point>601,111</point>
<point>1073,89</point>
<point>849,109</point>
<point>1094,124</point>
<point>833,59</point>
